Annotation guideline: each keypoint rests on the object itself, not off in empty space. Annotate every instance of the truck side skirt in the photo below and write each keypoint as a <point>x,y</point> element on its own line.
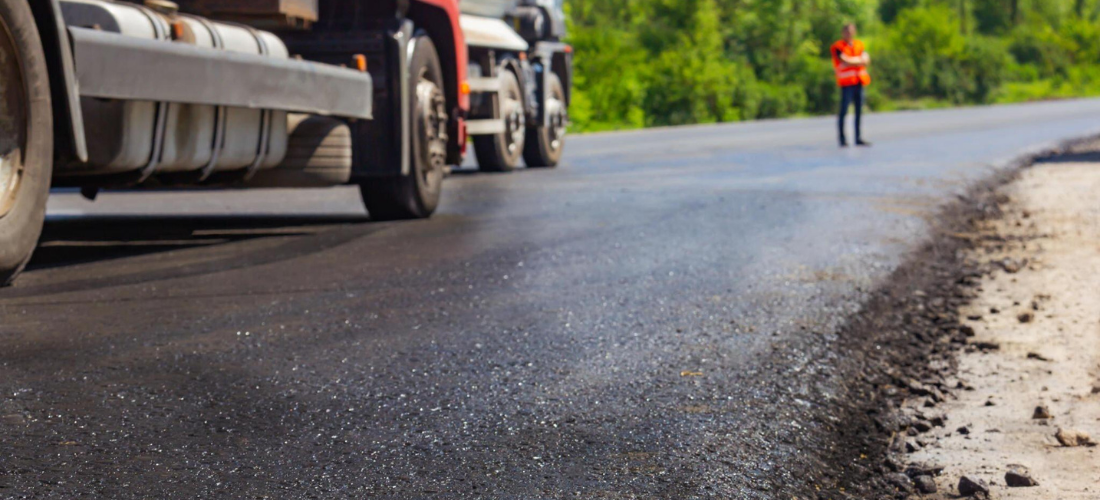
<point>68,119</point>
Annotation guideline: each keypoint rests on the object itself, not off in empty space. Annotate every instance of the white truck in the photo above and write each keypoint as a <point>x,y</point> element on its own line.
<point>382,94</point>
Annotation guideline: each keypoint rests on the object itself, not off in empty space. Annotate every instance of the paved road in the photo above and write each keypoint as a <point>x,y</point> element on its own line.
<point>638,322</point>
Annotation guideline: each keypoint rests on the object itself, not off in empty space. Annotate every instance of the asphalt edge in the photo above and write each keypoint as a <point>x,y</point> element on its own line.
<point>903,343</point>
<point>809,118</point>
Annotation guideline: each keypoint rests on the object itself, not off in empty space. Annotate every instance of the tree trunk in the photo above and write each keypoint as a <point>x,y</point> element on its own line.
<point>963,17</point>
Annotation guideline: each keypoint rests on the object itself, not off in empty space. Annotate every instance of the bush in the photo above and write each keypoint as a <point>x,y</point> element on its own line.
<point>918,53</point>
<point>819,84</point>
<point>609,73</point>
<point>691,79</point>
<point>1079,81</point>
<point>982,68</point>
<point>925,56</point>
<point>777,101</point>
<point>1040,46</point>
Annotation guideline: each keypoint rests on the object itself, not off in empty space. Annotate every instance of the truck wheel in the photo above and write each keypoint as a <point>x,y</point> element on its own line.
<point>545,144</point>
<point>26,137</point>
<point>416,196</point>
<point>501,152</point>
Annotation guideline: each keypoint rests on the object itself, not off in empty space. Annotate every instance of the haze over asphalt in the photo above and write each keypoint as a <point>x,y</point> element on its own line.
<point>628,324</point>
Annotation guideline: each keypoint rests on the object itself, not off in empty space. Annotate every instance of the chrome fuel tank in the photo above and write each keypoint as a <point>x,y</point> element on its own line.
<point>158,138</point>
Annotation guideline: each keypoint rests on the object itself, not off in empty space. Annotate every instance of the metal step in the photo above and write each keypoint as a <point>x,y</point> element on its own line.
<point>485,127</point>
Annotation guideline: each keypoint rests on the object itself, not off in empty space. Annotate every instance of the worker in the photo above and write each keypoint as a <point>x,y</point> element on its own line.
<point>851,62</point>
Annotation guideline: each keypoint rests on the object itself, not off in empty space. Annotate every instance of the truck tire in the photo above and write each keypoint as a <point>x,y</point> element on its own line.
<point>546,144</point>
<point>502,152</point>
<point>416,196</point>
<point>26,137</point>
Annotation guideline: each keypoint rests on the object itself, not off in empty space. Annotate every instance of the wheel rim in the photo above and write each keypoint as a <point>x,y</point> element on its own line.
<point>515,121</point>
<point>432,120</point>
<point>13,120</point>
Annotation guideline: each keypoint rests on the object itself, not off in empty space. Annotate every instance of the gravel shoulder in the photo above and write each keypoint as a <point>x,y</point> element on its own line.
<point>1032,368</point>
<point>974,370</point>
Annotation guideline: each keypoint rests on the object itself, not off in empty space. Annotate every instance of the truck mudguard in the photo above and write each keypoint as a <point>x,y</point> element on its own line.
<point>440,18</point>
<point>451,31</point>
<point>68,120</point>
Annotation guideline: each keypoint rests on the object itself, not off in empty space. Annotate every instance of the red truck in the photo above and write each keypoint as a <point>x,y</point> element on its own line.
<point>235,94</point>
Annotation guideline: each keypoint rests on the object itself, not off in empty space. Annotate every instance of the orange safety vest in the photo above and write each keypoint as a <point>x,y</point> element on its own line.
<point>847,76</point>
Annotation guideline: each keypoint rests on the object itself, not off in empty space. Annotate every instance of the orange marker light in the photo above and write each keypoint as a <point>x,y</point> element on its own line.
<point>360,62</point>
<point>464,89</point>
<point>177,30</point>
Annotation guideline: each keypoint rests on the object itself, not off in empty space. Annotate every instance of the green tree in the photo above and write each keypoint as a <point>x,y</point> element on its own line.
<point>610,66</point>
<point>699,83</point>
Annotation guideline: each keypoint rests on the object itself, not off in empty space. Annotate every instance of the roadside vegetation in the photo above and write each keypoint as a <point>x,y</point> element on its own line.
<point>643,63</point>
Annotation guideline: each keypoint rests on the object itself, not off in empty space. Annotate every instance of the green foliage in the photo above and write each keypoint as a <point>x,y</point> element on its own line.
<point>1038,45</point>
<point>916,59</point>
<point>925,56</point>
<point>1079,81</point>
<point>669,62</point>
<point>696,82</point>
<point>993,16</point>
<point>606,99</point>
<point>888,10</point>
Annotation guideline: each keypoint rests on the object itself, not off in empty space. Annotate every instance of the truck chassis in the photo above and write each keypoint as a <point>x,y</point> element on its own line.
<point>382,94</point>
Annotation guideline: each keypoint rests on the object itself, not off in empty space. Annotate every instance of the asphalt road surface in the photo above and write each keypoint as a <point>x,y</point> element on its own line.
<point>627,325</point>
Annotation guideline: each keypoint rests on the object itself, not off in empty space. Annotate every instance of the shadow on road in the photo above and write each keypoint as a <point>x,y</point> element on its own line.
<point>214,245</point>
<point>70,241</point>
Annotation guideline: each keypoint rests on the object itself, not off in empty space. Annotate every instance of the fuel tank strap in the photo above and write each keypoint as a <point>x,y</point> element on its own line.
<point>265,119</point>
<point>220,112</point>
<point>162,33</point>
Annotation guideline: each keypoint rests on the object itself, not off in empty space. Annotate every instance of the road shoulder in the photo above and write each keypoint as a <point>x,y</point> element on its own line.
<point>921,359</point>
<point>1030,370</point>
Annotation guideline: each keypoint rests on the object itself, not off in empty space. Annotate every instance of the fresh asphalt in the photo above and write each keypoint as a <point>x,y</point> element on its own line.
<point>607,329</point>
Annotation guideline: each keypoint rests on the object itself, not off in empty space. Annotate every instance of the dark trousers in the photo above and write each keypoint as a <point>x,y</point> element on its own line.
<point>852,95</point>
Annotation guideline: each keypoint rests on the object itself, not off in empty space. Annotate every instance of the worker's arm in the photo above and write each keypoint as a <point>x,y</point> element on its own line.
<point>861,61</point>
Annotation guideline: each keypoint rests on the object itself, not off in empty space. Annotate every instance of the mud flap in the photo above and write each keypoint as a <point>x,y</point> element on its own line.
<point>382,145</point>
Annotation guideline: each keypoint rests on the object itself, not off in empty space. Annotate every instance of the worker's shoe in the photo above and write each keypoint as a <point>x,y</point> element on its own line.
<point>863,144</point>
